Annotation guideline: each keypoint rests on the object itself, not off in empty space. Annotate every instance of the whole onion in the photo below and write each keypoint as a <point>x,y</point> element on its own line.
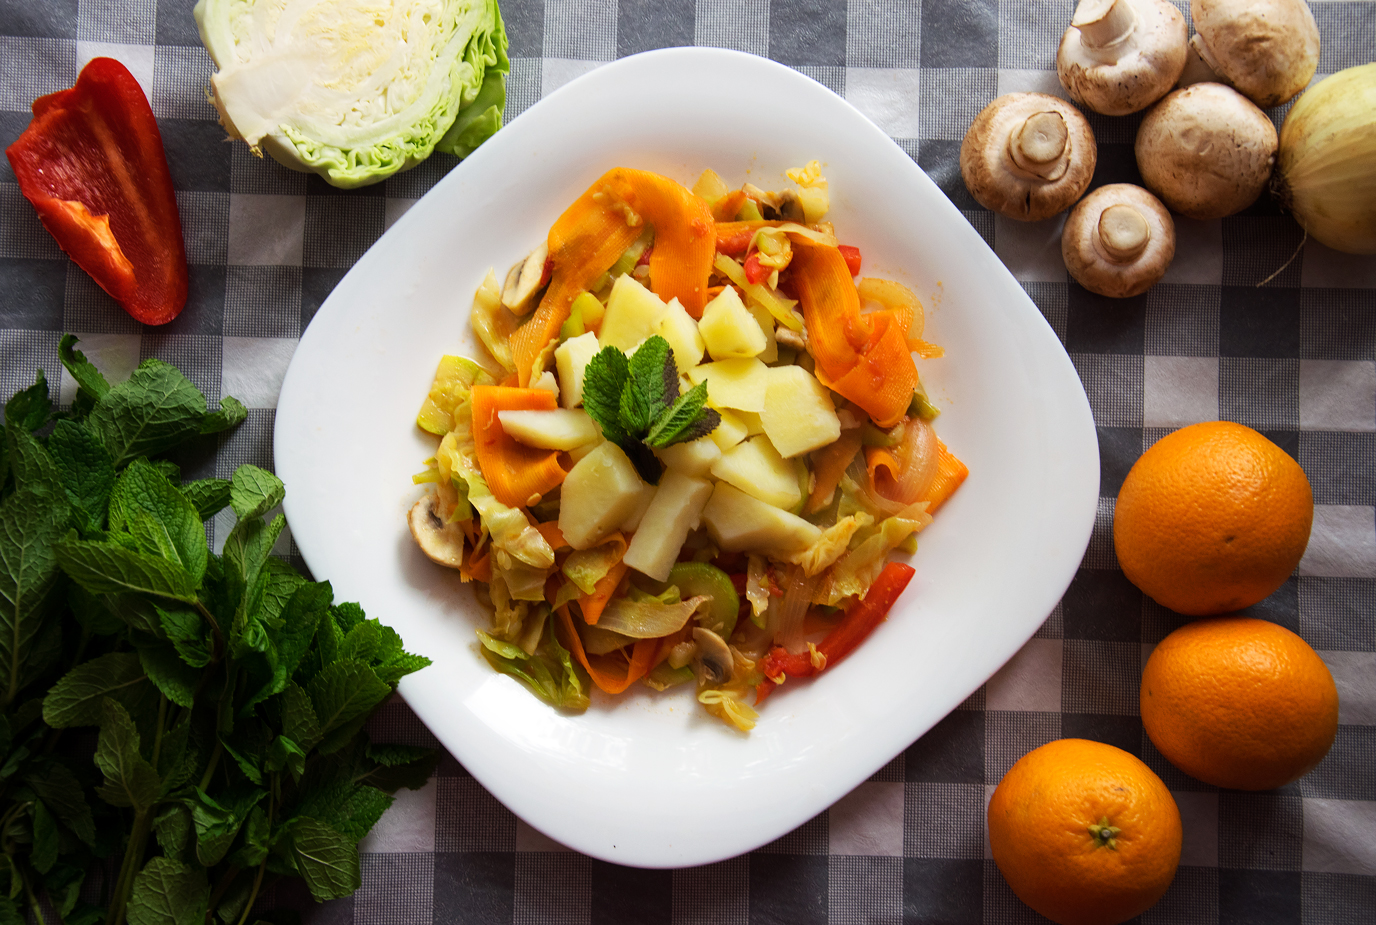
<point>1326,171</point>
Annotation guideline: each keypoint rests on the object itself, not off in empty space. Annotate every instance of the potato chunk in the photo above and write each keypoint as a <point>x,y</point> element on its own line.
<point>738,522</point>
<point>729,329</point>
<point>633,314</point>
<point>738,383</point>
<point>757,469</point>
<point>600,491</point>
<point>798,415</point>
<point>675,510</point>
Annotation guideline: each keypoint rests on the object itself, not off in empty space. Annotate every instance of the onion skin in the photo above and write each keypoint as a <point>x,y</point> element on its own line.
<point>1326,170</point>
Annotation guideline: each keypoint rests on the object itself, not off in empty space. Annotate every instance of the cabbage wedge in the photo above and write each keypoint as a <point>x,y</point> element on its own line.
<point>356,90</point>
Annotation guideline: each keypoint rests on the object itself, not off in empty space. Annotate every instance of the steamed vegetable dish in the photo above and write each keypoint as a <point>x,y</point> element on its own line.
<point>693,445</point>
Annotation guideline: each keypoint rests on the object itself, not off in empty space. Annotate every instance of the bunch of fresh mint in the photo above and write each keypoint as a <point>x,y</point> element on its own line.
<point>637,404</point>
<point>178,727</point>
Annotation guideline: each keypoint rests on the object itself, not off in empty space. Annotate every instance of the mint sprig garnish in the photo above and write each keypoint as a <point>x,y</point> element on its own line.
<point>637,404</point>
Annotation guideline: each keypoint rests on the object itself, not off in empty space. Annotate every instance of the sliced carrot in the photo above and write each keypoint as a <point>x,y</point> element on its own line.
<point>950,473</point>
<point>552,534</point>
<point>515,473</point>
<point>593,604</point>
<point>479,569</point>
<point>607,671</point>
<point>829,464</point>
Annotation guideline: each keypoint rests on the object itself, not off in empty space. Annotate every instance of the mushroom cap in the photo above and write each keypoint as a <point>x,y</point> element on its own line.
<point>441,542</point>
<point>1206,150</point>
<point>1267,49</point>
<point>1091,260</point>
<point>997,181</point>
<point>1131,74</point>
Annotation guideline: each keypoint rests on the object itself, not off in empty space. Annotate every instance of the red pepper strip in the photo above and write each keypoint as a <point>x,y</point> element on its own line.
<point>756,272</point>
<point>92,164</point>
<point>852,257</point>
<point>858,623</point>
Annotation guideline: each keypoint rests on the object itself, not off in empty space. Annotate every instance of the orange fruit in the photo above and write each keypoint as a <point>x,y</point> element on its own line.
<point>1239,702</point>
<point>1213,518</point>
<point>1084,832</point>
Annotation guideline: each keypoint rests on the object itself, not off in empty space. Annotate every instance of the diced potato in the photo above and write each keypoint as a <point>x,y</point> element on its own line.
<point>798,415</point>
<point>600,491</point>
<point>757,469</point>
<point>546,382</point>
<point>738,522</point>
<point>729,329</point>
<point>579,452</point>
<point>752,421</point>
<point>736,383</point>
<point>571,358</point>
<point>681,331</point>
<point>765,320</point>
<point>675,510</point>
<point>642,504</point>
<point>557,429</point>
<point>730,431</point>
<point>693,458</point>
<point>633,314</point>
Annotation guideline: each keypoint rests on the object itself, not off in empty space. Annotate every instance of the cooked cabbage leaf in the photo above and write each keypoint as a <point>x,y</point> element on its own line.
<point>356,90</point>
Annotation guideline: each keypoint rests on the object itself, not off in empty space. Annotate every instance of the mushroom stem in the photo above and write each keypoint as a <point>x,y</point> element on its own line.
<point>1039,145</point>
<point>1104,23</point>
<point>1123,232</point>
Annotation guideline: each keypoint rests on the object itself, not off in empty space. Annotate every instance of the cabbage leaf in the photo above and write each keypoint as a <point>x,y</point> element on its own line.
<point>355,90</point>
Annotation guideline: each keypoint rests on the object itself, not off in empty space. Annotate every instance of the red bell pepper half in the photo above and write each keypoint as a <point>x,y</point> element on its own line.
<point>858,623</point>
<point>92,164</point>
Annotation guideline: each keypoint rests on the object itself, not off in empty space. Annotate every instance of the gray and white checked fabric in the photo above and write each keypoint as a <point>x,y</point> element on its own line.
<point>1295,359</point>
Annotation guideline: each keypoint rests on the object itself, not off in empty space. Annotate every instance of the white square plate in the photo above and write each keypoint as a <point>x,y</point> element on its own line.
<point>648,779</point>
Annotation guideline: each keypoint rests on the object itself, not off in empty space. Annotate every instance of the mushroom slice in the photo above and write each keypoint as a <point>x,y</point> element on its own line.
<point>1118,241</point>
<point>1267,50</point>
<point>524,280</point>
<point>442,542</point>
<point>1206,150</point>
<point>713,659</point>
<point>1028,156</point>
<point>1120,56</point>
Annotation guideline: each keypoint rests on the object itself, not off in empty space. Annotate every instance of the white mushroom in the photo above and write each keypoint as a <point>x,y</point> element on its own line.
<point>524,280</point>
<point>1206,150</point>
<point>1028,156</point>
<point>442,542</point>
<point>1268,50</point>
<point>1118,241</point>
<point>713,658</point>
<point>1119,56</point>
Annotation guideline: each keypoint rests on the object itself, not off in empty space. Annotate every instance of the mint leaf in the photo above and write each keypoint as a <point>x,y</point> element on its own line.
<point>231,414</point>
<point>129,779</point>
<point>102,568</point>
<point>45,839</point>
<point>326,858</point>
<point>61,792</point>
<point>77,699</point>
<point>186,630</point>
<point>148,506</point>
<point>217,821</point>
<point>168,892</point>
<point>155,409</point>
<point>28,409</point>
<point>88,379</point>
<point>86,470</point>
<point>254,491</point>
<point>343,694</point>
<point>31,522</point>
<point>299,722</point>
<point>654,376</point>
<point>603,381</point>
<point>173,677</point>
<point>208,496</point>
<point>172,827</point>
<point>686,420</point>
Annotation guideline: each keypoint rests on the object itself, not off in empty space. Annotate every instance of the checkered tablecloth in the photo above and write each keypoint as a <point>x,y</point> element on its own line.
<point>1295,359</point>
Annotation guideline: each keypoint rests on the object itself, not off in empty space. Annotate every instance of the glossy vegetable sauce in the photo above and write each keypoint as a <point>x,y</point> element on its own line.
<point>692,447</point>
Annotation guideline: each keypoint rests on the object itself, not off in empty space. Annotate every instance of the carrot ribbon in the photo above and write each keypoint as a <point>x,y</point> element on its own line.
<point>593,232</point>
<point>515,473</point>
<point>606,670</point>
